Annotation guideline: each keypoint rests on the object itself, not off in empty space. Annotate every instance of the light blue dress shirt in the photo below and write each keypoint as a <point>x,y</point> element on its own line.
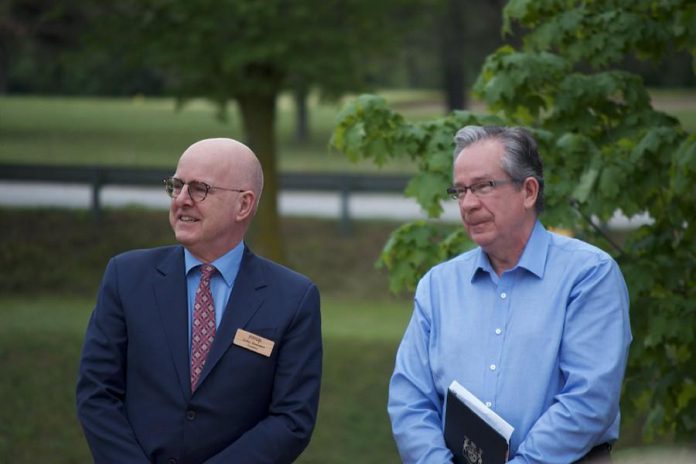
<point>544,345</point>
<point>221,283</point>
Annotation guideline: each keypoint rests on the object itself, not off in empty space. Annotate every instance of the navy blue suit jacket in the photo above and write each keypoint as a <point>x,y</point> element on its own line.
<point>133,394</point>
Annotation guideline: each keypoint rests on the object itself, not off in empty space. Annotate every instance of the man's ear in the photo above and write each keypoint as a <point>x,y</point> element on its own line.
<point>247,205</point>
<point>531,192</point>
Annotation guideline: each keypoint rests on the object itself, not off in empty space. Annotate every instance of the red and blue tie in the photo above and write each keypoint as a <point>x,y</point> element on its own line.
<point>203,326</point>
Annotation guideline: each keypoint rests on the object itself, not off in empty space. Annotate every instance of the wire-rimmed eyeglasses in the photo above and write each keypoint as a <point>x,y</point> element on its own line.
<point>197,191</point>
<point>480,189</point>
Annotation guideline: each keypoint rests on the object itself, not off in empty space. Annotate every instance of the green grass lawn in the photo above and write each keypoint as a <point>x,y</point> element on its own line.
<point>52,261</point>
<point>151,132</point>
<point>57,259</point>
<point>143,131</point>
<point>40,340</point>
<point>39,350</point>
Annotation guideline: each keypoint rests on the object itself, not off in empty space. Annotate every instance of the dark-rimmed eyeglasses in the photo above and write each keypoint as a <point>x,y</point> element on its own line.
<point>480,189</point>
<point>197,191</point>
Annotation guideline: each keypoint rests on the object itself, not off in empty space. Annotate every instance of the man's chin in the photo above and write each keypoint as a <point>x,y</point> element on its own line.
<point>480,228</point>
<point>481,237</point>
<point>184,237</point>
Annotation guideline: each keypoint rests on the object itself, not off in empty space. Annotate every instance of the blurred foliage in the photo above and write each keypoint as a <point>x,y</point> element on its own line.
<point>249,52</point>
<point>605,149</point>
<point>47,46</point>
<point>45,49</point>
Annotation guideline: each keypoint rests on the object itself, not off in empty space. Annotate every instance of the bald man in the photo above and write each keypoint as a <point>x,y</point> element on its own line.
<point>203,351</point>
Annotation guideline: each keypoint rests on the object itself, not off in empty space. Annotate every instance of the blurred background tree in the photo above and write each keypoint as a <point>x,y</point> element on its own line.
<point>243,51</point>
<point>249,52</point>
<point>43,47</point>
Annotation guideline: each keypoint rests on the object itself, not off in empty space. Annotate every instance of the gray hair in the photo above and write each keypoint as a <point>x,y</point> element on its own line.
<point>521,158</point>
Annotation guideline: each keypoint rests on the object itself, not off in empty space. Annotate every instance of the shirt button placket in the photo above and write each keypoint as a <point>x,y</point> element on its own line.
<point>495,344</point>
<point>500,318</point>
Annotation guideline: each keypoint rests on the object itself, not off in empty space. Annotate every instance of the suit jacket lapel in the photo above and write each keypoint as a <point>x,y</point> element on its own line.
<point>246,298</point>
<point>170,292</point>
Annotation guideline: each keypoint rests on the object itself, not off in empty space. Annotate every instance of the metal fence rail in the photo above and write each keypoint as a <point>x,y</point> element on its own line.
<point>98,176</point>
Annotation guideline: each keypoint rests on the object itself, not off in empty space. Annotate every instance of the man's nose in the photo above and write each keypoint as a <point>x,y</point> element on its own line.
<point>183,198</point>
<point>468,201</point>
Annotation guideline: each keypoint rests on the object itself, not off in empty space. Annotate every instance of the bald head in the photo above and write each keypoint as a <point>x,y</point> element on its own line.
<point>230,161</point>
<point>211,223</point>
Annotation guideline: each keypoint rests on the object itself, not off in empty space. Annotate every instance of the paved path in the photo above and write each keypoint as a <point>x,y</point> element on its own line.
<point>307,204</point>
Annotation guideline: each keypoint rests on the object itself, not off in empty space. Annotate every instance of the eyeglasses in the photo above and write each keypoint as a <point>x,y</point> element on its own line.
<point>480,189</point>
<point>197,191</point>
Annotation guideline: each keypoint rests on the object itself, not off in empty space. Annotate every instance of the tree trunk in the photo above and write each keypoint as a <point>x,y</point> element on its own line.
<point>453,37</point>
<point>301,115</point>
<point>258,118</point>
<point>3,69</point>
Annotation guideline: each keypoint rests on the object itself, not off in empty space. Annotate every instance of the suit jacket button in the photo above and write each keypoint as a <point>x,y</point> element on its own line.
<point>190,414</point>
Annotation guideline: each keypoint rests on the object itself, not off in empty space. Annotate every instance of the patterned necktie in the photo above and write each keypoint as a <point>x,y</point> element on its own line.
<point>203,326</point>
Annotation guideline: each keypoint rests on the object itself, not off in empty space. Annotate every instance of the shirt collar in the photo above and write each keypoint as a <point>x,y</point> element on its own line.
<point>533,257</point>
<point>483,264</point>
<point>227,264</point>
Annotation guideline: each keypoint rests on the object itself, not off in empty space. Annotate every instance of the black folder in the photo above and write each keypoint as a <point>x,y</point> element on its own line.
<point>473,432</point>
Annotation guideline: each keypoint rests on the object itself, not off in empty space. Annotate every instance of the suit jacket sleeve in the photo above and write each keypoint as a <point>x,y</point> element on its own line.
<point>102,380</point>
<point>286,431</point>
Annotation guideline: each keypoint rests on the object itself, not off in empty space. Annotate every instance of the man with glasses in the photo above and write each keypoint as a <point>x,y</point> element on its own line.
<point>534,324</point>
<point>202,352</point>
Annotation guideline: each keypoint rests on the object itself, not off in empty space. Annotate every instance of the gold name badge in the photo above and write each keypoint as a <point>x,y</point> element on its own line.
<point>253,342</point>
